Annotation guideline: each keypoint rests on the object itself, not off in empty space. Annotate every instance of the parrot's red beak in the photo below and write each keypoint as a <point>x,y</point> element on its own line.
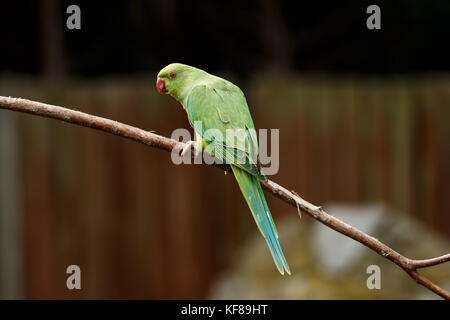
<point>161,86</point>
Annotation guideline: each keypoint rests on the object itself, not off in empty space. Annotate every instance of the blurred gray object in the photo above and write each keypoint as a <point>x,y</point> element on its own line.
<point>11,264</point>
<point>327,265</point>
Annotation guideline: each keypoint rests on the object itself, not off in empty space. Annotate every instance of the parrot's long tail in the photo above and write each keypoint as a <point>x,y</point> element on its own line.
<point>254,196</point>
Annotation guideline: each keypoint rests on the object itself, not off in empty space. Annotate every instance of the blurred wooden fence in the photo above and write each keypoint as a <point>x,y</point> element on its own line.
<point>142,227</point>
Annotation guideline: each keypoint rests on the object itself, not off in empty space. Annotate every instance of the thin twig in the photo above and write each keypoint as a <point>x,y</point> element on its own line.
<point>408,265</point>
<point>417,264</point>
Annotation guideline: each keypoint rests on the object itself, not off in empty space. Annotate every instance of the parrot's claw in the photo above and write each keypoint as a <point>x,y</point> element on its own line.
<point>188,146</point>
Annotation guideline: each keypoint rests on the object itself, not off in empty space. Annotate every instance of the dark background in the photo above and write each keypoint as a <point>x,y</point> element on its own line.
<point>363,118</point>
<point>243,37</point>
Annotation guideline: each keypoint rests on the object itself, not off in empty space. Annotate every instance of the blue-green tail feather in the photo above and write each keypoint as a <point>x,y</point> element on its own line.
<point>253,194</point>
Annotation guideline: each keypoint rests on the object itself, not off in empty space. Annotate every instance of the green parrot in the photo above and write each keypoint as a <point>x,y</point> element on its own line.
<point>216,105</point>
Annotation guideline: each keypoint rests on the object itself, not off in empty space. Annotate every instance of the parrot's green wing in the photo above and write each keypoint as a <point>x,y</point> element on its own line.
<point>222,112</point>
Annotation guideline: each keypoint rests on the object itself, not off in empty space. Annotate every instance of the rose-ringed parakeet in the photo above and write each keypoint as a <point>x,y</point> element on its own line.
<point>219,105</point>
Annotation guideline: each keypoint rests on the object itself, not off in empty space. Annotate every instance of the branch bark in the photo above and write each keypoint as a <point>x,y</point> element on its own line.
<point>410,266</point>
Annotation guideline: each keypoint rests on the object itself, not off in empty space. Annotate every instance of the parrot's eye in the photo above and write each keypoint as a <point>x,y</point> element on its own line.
<point>172,75</point>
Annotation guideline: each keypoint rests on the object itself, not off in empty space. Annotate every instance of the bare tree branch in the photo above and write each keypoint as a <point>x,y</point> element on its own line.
<point>410,266</point>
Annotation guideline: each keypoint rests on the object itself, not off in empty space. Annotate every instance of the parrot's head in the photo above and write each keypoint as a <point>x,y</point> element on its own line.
<point>175,78</point>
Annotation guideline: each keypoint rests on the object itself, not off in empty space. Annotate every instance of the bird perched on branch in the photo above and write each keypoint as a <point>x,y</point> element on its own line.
<point>219,114</point>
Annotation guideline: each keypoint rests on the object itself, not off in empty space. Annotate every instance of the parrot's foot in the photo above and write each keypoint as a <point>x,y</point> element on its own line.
<point>188,146</point>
